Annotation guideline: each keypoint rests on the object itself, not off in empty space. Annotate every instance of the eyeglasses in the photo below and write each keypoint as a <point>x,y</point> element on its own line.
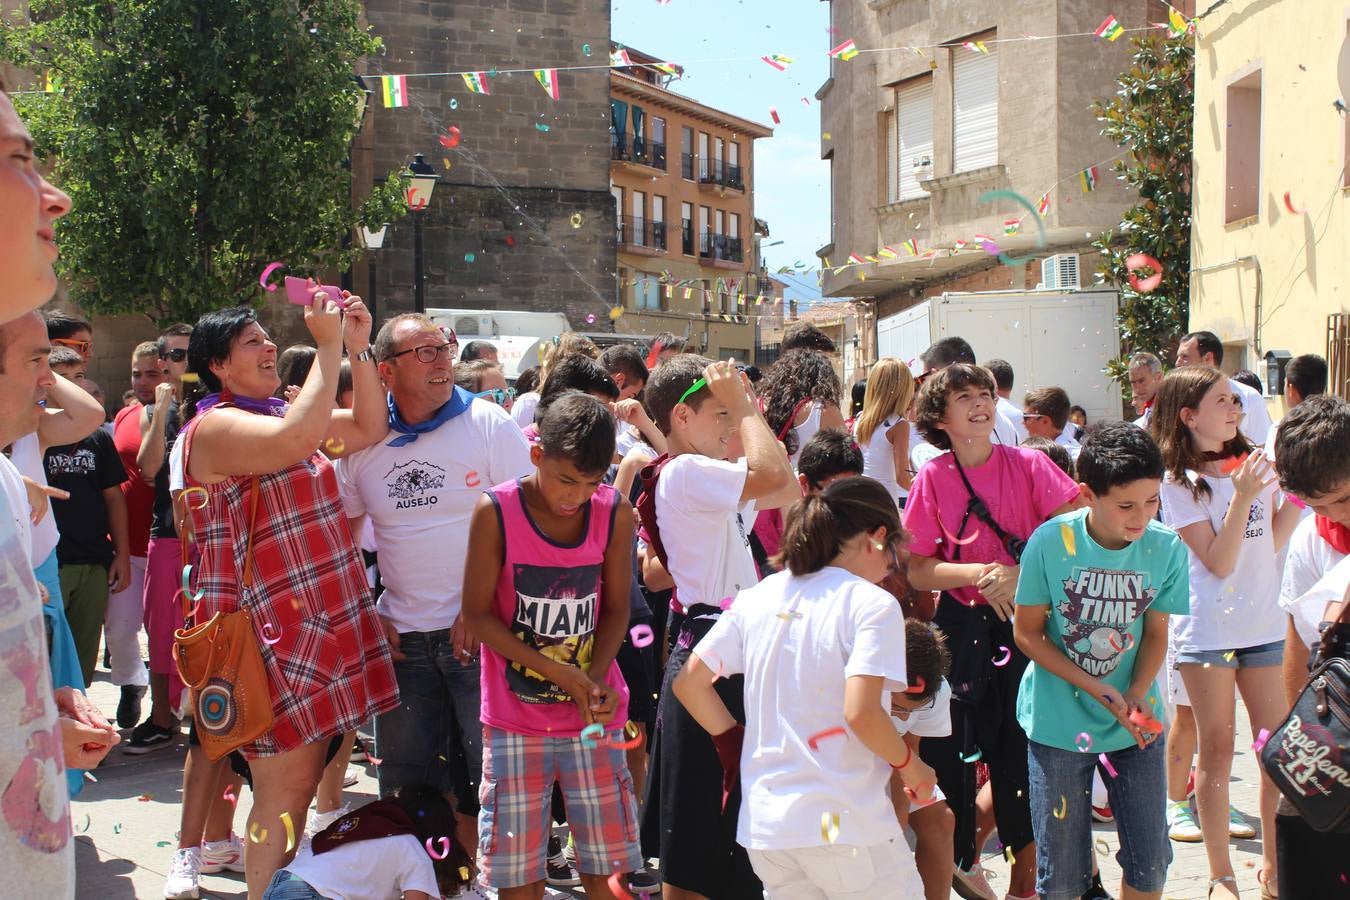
<point>498,396</point>
<point>693,389</point>
<point>177,355</point>
<point>428,352</point>
<point>925,705</point>
<point>84,348</point>
<point>1027,417</point>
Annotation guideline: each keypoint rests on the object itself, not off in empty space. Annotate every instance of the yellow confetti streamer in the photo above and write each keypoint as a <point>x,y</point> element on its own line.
<point>334,446</point>
<point>1066,532</point>
<point>1063,809</point>
<point>290,831</point>
<point>829,826</point>
<point>1008,854</point>
<point>255,834</point>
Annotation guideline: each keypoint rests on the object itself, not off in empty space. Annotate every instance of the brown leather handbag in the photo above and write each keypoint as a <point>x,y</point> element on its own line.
<point>220,662</point>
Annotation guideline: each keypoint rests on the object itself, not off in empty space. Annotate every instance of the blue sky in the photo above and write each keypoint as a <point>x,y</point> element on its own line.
<point>719,45</point>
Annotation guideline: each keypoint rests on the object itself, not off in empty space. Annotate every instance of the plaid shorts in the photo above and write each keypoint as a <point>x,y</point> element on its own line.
<point>519,771</point>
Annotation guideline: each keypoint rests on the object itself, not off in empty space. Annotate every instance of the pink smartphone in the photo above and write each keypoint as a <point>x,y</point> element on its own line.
<point>301,292</point>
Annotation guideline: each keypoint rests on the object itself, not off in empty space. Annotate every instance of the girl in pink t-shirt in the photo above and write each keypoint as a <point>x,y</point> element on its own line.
<point>969,514</point>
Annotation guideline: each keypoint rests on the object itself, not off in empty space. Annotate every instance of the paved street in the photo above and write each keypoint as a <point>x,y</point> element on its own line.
<point>125,826</point>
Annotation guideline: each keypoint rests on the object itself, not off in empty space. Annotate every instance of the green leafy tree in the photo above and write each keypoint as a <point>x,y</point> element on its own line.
<point>1151,117</point>
<point>198,140</point>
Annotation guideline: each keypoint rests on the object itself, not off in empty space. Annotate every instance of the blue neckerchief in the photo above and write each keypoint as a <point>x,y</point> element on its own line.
<point>459,402</point>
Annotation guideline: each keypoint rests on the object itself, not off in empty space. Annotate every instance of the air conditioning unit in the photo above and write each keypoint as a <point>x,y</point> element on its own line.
<point>474,325</point>
<point>1060,271</point>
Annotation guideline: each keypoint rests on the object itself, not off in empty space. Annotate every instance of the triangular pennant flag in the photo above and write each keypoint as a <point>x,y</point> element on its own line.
<point>476,82</point>
<point>548,80</point>
<point>975,46</point>
<point>1088,179</point>
<point>395,90</point>
<point>1109,29</point>
<point>1176,22</point>
<point>778,61</point>
<point>845,51</point>
<point>620,57</point>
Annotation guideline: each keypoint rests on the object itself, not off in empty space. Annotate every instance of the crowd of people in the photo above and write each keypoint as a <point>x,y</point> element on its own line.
<point>639,620</point>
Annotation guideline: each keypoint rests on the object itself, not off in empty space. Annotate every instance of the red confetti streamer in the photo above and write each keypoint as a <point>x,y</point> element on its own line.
<point>450,140</point>
<point>1289,205</point>
<point>916,688</point>
<point>616,887</point>
<point>1137,261</point>
<point>953,539</point>
<point>273,266</point>
<point>814,740</point>
<point>773,114</point>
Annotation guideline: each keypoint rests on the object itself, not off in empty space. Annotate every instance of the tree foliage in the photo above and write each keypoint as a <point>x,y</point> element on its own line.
<point>198,140</point>
<point>1151,117</point>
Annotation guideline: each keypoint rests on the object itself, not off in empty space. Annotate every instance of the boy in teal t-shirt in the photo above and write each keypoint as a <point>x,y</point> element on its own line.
<point>1093,597</point>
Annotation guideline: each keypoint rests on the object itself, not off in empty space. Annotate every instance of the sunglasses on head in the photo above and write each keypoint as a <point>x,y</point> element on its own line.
<point>498,396</point>
<point>81,347</point>
<point>177,355</point>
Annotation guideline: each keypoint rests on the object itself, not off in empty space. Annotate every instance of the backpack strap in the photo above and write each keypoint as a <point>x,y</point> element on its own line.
<point>646,504</point>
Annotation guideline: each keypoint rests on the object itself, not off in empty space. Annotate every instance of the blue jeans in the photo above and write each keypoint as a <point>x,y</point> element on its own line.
<point>435,734</point>
<point>285,886</point>
<point>1061,782</point>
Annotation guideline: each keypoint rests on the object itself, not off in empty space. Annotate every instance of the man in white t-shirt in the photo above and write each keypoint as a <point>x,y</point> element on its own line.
<point>1146,375</point>
<point>1046,414</point>
<point>1002,371</point>
<point>1203,348</point>
<point>704,507</point>
<point>418,487</point>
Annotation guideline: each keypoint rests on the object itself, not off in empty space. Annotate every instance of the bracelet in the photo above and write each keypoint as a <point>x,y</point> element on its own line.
<point>908,758</point>
<point>367,354</point>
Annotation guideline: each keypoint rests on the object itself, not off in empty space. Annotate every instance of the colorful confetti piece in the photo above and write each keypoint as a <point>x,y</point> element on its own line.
<point>450,140</point>
<point>1289,205</point>
<point>273,266</point>
<point>590,318</point>
<point>441,850</point>
<point>915,688</point>
<point>814,740</point>
<point>1083,741</point>
<point>229,795</point>
<point>1066,535</point>
<point>576,220</point>
<point>1262,736</point>
<point>290,831</point>
<point>973,758</point>
<point>541,126</point>
<point>592,734</point>
<point>256,834</point>
<point>1106,764</point>
<point>470,257</point>
<point>616,887</point>
<point>642,635</point>
<point>1001,661</point>
<point>1136,261</point>
<point>334,446</point>
<point>829,826</point>
<point>117,829</point>
<point>271,634</point>
<point>1063,809</point>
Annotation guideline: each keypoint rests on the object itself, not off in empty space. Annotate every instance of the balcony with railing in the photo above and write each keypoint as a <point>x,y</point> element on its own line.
<point>687,166</point>
<point>716,174</point>
<point>639,152</point>
<point>720,248</point>
<point>687,238</point>
<point>641,236</point>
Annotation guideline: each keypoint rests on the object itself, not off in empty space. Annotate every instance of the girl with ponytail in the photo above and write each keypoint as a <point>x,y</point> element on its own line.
<point>820,646</point>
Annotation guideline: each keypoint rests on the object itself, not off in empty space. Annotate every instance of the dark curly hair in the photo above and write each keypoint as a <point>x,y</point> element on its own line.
<point>798,376</point>
<point>932,406</point>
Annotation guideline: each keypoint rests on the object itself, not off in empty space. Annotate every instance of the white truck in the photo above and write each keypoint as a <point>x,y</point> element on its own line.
<point>1060,338</point>
<point>517,334</point>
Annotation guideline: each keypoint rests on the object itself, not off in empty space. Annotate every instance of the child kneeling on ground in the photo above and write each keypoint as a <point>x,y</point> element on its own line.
<point>1093,597</point>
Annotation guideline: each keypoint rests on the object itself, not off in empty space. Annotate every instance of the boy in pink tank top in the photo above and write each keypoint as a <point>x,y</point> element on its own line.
<point>547,594</point>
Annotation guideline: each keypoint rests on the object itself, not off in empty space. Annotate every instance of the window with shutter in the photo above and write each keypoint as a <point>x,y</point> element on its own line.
<point>914,110</point>
<point>974,108</point>
<point>892,158</point>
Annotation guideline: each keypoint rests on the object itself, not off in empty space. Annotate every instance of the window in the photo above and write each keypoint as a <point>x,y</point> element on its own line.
<point>703,159</point>
<point>721,222</point>
<point>735,178</point>
<point>733,226</point>
<point>974,108</point>
<point>657,151</point>
<point>687,152</point>
<point>704,237</point>
<point>617,193</point>
<point>687,229</point>
<point>914,136</point>
<point>639,223</point>
<point>892,156</point>
<point>658,222</point>
<point>1242,156</point>
<point>646,291</point>
<point>719,148</point>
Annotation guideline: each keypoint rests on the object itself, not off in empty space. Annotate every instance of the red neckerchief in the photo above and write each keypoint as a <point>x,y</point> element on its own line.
<point>1334,533</point>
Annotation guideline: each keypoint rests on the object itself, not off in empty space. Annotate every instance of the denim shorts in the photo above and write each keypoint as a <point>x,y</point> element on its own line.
<point>1257,657</point>
<point>289,886</point>
<point>1061,815</point>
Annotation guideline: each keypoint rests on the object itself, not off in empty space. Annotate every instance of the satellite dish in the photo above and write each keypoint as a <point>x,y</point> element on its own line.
<point>1343,68</point>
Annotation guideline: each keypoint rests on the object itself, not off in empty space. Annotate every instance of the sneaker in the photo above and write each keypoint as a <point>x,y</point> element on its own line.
<point>350,776</point>
<point>1181,824</point>
<point>184,875</point>
<point>1096,891</point>
<point>223,856</point>
<point>129,707</point>
<point>1238,827</point>
<point>570,850</point>
<point>972,884</point>
<point>319,821</point>
<point>148,736</point>
<point>1103,813</point>
<point>643,882</point>
<point>560,871</point>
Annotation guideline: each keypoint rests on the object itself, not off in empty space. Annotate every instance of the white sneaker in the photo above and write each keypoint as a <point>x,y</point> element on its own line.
<point>476,891</point>
<point>350,776</point>
<point>184,875</point>
<point>319,821</point>
<point>973,884</point>
<point>223,856</point>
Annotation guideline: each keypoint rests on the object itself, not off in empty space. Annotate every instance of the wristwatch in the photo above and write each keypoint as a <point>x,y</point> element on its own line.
<point>367,354</point>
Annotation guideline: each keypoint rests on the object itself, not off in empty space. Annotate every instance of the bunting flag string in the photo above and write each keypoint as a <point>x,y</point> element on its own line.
<point>395,90</point>
<point>548,80</point>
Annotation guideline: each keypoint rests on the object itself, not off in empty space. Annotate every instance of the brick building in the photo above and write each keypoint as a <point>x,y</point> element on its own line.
<point>521,216</point>
<point>681,175</point>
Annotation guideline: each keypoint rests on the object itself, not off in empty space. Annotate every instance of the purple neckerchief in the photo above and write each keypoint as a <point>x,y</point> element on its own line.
<point>270,406</point>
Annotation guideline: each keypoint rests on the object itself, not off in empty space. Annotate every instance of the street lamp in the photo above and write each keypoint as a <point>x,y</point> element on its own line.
<point>373,239</point>
<point>420,179</point>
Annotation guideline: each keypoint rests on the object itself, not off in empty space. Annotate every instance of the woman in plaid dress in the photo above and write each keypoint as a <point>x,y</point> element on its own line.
<point>327,660</point>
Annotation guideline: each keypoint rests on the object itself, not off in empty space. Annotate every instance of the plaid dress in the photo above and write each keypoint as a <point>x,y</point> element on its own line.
<point>327,660</point>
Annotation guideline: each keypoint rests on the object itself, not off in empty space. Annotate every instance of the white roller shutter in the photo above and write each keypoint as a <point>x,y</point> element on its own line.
<point>914,108</point>
<point>974,109</point>
<point>892,158</point>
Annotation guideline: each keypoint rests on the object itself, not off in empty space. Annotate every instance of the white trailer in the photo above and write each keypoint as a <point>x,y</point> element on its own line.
<point>1060,338</point>
<point>517,334</point>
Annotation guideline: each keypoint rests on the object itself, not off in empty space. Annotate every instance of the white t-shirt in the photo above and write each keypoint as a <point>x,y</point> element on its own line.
<point>37,852</point>
<point>368,870</point>
<point>1067,440</point>
<point>1013,413</point>
<point>27,458</point>
<point>807,430</point>
<point>420,498</point>
<point>879,457</point>
<point>935,721</point>
<point>176,482</point>
<point>1256,418</point>
<point>1315,573</point>
<point>1004,431</point>
<point>704,528</point>
<point>920,451</point>
<point>522,411</point>
<point>797,641</point>
<point>1241,610</point>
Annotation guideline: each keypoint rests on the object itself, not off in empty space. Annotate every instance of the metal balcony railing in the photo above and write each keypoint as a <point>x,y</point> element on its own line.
<point>636,232</point>
<point>720,247</point>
